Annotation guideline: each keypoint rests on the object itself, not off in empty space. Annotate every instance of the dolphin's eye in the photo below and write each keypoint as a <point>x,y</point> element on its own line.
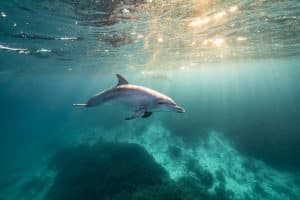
<point>160,103</point>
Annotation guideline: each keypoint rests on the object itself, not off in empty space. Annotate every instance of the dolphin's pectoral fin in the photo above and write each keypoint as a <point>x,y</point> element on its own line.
<point>79,104</point>
<point>146,114</point>
<point>139,113</point>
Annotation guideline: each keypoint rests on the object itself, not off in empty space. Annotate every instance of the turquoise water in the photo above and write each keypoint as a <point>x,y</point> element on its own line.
<point>233,66</point>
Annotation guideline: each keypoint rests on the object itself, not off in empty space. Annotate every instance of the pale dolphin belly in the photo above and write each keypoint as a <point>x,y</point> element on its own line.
<point>135,100</point>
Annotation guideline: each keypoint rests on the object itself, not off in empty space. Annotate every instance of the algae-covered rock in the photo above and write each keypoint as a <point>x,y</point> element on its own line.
<point>169,191</point>
<point>104,171</point>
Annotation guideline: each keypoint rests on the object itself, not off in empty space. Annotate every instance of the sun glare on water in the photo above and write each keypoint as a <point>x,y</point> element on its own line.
<point>193,38</point>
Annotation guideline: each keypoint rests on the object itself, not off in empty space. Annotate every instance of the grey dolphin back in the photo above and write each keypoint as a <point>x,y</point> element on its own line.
<point>121,80</point>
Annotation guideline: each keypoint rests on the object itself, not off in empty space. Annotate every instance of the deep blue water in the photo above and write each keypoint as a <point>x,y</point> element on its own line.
<point>233,66</point>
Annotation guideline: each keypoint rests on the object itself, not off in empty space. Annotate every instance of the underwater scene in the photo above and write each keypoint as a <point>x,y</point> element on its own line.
<point>150,100</point>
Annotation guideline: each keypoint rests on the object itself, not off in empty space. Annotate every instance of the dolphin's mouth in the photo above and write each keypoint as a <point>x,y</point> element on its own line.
<point>177,109</point>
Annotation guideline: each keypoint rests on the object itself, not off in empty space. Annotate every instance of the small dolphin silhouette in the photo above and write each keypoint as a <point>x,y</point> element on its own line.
<point>143,99</point>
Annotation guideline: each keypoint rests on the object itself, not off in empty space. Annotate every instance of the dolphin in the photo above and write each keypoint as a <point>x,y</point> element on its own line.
<point>144,100</point>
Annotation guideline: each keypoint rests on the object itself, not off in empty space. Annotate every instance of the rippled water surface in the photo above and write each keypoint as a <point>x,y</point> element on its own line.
<point>233,66</point>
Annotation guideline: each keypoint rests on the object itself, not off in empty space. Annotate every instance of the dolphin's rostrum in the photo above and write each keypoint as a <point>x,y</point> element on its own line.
<point>143,99</point>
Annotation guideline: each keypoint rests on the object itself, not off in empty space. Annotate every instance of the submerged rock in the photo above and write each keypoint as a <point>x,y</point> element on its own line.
<point>175,152</point>
<point>104,171</point>
<point>33,188</point>
<point>125,171</point>
<point>204,176</point>
<point>160,192</point>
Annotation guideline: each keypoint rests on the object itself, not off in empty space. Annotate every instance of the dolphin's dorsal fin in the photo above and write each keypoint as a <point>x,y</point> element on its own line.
<point>121,80</point>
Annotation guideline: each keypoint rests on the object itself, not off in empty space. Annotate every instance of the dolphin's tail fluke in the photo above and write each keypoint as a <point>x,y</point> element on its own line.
<point>79,104</point>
